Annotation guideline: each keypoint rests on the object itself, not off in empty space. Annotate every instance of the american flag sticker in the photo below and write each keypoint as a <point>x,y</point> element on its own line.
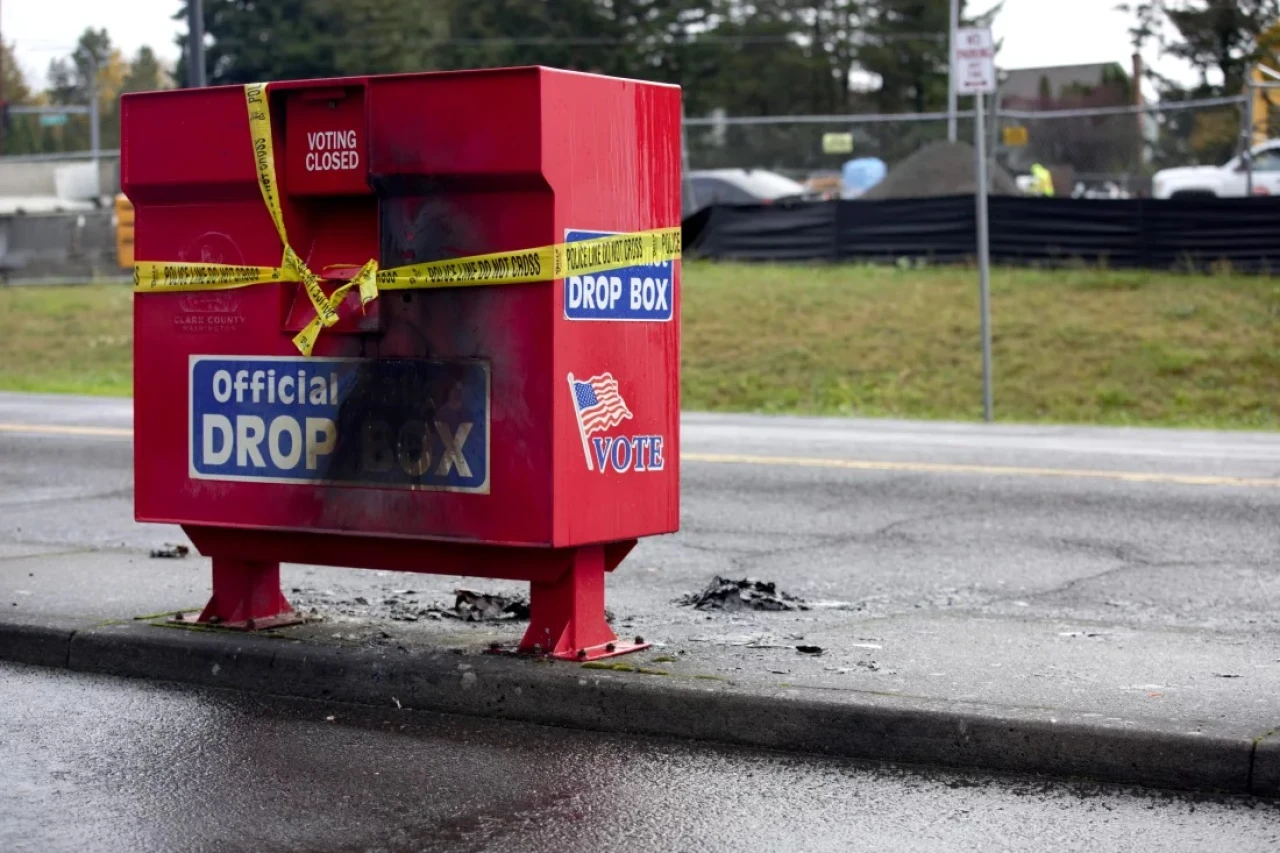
<point>599,407</point>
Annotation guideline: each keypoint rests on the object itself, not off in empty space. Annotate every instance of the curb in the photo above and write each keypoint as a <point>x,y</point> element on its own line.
<point>43,643</point>
<point>868,727</point>
<point>1265,777</point>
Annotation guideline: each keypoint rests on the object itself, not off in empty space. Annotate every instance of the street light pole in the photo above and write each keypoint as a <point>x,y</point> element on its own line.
<point>195,44</point>
<point>951,70</point>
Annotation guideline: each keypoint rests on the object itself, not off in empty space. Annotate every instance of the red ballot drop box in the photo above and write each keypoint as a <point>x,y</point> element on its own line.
<point>522,429</point>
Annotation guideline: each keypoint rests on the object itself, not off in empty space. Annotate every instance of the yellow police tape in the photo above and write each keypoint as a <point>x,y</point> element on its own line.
<point>586,257</point>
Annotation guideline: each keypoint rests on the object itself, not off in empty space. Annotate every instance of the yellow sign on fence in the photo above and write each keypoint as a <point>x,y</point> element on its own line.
<point>837,143</point>
<point>1015,136</point>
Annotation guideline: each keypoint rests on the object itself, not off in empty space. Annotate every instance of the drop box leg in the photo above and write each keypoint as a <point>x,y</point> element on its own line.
<point>566,616</point>
<point>247,596</point>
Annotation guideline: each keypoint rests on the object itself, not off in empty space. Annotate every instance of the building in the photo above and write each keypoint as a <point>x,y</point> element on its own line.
<point>1088,149</point>
<point>1065,87</point>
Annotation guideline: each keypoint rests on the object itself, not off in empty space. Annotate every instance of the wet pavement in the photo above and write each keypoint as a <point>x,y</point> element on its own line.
<point>93,763</point>
<point>1147,604</point>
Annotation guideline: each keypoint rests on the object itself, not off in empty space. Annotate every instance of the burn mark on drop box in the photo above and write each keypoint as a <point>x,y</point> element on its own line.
<point>406,424</point>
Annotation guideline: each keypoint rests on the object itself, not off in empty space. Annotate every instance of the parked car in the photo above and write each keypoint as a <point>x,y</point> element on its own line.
<point>1099,189</point>
<point>823,186</point>
<point>1227,181</point>
<point>705,187</point>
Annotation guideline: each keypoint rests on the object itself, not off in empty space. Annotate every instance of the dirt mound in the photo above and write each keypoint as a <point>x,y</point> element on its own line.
<point>940,168</point>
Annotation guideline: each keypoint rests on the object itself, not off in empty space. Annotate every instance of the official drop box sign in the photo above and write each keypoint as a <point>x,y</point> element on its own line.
<point>636,294</point>
<point>386,423</point>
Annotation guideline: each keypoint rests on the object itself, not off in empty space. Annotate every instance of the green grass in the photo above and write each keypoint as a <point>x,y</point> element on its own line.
<point>72,339</point>
<point>1080,345</point>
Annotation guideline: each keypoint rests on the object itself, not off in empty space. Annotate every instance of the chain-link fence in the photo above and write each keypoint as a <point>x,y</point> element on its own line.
<point>1101,150</point>
<point>794,145</point>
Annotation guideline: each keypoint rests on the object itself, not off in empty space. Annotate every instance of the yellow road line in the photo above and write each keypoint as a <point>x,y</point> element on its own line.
<point>55,429</point>
<point>993,470</point>
<point>814,462</point>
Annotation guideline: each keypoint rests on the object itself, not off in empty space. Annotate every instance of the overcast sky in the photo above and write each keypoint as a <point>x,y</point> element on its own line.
<point>1035,32</point>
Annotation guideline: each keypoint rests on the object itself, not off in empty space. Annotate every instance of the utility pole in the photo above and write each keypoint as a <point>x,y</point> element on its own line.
<point>95,139</point>
<point>3,102</point>
<point>951,70</point>
<point>993,137</point>
<point>1141,138</point>
<point>1249,120</point>
<point>195,44</point>
<point>686,181</point>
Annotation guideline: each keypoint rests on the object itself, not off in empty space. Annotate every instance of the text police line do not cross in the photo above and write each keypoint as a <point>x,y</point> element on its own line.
<point>282,420</point>
<point>635,293</point>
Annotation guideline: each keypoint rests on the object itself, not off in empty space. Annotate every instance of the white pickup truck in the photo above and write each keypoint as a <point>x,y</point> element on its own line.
<point>1229,181</point>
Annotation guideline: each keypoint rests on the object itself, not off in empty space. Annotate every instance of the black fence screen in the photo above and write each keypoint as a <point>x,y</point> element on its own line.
<point>1157,234</point>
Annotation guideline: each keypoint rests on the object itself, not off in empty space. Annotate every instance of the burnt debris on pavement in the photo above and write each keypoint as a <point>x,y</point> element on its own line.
<point>745,594</point>
<point>471,606</point>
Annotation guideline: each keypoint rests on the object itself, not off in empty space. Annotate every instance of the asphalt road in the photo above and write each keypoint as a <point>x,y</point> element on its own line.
<point>90,763</point>
<point>1134,527</point>
<point>916,532</point>
<point>1129,573</point>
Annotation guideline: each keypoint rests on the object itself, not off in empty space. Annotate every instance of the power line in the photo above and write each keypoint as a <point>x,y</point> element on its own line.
<point>1130,109</point>
<point>1020,115</point>
<point>849,118</point>
<point>669,39</point>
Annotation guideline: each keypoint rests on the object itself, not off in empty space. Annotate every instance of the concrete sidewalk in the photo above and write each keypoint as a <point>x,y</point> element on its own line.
<point>1005,689</point>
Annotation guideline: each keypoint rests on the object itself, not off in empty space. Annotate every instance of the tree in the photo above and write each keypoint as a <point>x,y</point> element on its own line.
<point>738,52</point>
<point>1224,36</point>
<point>906,45</point>
<point>251,40</point>
<point>387,36</point>
<point>69,78</point>
<point>22,133</point>
<point>766,56</point>
<point>657,39</point>
<point>1222,40</point>
<point>16,89</point>
<point>145,73</point>
<point>94,66</point>
<point>292,39</point>
<point>838,28</point>
<point>64,87</point>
